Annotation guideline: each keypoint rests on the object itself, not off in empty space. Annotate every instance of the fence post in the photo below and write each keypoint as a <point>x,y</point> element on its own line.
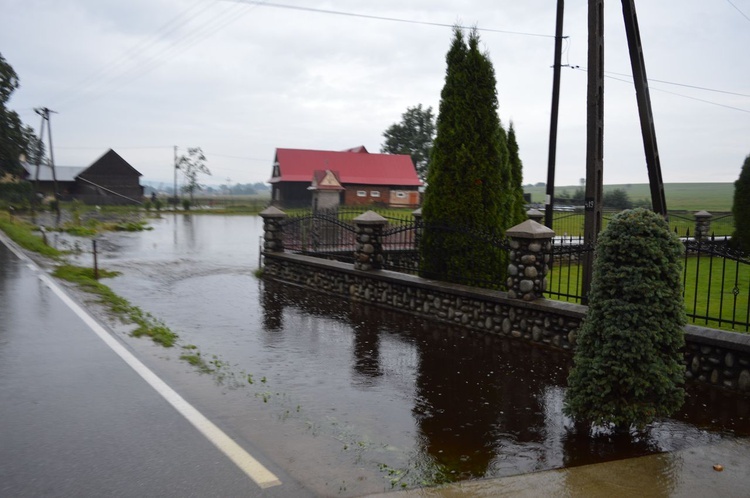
<point>368,254</point>
<point>535,215</point>
<point>529,260</point>
<point>702,224</point>
<point>273,232</point>
<point>417,214</point>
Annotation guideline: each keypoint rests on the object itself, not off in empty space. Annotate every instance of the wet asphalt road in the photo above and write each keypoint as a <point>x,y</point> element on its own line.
<point>77,420</point>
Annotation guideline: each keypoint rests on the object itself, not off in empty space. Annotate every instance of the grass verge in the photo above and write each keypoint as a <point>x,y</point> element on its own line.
<point>147,324</point>
<point>26,235</point>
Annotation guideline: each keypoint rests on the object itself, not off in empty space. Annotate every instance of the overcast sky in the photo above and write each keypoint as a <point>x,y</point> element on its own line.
<point>240,79</point>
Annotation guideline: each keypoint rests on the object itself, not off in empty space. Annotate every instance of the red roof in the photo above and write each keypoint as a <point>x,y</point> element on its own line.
<point>362,168</point>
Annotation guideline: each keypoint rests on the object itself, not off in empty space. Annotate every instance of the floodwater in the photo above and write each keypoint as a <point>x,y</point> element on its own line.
<point>394,396</point>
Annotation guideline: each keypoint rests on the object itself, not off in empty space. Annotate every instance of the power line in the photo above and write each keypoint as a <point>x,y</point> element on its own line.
<point>684,85</point>
<point>382,18</point>
<point>134,69</point>
<point>738,10</point>
<point>607,75</point>
<point>127,57</point>
<point>118,148</point>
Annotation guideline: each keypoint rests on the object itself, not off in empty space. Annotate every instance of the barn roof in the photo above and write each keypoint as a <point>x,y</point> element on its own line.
<point>360,167</point>
<point>110,164</point>
<point>62,173</point>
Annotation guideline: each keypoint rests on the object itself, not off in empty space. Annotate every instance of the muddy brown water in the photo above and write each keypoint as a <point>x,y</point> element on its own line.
<point>417,402</point>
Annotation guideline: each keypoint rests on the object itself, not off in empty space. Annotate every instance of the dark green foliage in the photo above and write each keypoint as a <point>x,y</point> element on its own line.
<point>413,136</point>
<point>518,208</point>
<point>468,184</point>
<point>741,208</point>
<point>628,366</point>
<point>17,194</point>
<point>617,199</point>
<point>15,138</point>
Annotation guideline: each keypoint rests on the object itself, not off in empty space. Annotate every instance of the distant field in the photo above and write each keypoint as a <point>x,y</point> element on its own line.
<point>713,197</point>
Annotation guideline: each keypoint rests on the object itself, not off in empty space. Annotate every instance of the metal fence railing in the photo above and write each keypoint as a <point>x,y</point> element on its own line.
<point>716,277</point>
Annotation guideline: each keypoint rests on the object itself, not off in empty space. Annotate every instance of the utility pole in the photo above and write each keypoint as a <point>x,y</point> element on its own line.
<point>39,156</point>
<point>645,113</point>
<point>550,197</point>
<point>176,167</point>
<point>594,139</point>
<point>44,112</point>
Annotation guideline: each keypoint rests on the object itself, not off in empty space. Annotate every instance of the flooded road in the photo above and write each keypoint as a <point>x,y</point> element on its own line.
<point>368,399</point>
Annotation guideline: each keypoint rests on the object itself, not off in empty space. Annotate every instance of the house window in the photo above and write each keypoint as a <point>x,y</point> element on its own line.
<point>361,193</point>
<point>400,194</point>
<point>374,193</point>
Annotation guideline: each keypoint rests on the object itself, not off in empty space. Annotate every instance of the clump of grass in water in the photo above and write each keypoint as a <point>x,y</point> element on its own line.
<point>147,323</point>
<point>196,360</point>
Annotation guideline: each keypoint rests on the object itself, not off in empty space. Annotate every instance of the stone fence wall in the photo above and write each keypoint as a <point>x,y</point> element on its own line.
<point>712,356</point>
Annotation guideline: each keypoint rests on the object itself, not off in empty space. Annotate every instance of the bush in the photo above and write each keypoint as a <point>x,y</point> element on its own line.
<point>16,194</point>
<point>617,199</point>
<point>628,367</point>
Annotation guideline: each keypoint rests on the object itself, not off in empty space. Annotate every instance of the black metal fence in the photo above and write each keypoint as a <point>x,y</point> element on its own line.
<point>716,278</point>
<point>716,283</point>
<point>565,279</point>
<point>331,234</point>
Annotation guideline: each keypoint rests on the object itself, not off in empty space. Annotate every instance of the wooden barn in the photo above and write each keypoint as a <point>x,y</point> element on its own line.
<point>357,177</point>
<point>110,180</point>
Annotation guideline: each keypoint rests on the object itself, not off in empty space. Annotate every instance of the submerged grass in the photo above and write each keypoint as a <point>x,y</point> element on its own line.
<point>147,324</point>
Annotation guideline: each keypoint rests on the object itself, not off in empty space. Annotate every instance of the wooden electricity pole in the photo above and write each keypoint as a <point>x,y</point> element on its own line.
<point>645,113</point>
<point>595,126</point>
<point>44,112</point>
<point>594,139</point>
<point>550,197</point>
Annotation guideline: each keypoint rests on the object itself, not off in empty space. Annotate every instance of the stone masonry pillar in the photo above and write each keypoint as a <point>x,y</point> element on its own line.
<point>368,254</point>
<point>273,232</point>
<point>529,261</point>
<point>535,215</point>
<point>702,225</point>
<point>418,229</point>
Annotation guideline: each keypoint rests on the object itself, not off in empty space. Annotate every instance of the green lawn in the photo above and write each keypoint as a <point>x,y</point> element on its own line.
<point>692,197</point>
<point>709,293</point>
<point>571,223</point>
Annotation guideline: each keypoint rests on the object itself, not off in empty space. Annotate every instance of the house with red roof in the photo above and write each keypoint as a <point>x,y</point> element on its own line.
<point>300,177</point>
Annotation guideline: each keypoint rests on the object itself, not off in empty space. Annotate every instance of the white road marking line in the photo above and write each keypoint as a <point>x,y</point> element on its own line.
<point>249,465</point>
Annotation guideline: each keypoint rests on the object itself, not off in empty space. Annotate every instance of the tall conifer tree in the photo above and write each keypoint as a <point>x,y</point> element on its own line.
<point>741,208</point>
<point>518,210</point>
<point>469,177</point>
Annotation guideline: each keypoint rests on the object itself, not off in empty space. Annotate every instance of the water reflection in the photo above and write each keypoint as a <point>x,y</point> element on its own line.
<point>366,350</point>
<point>489,406</point>
<point>273,310</point>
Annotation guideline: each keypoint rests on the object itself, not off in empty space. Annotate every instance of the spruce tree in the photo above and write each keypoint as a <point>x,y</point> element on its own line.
<point>469,177</point>
<point>518,209</point>
<point>741,209</point>
<point>628,367</point>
